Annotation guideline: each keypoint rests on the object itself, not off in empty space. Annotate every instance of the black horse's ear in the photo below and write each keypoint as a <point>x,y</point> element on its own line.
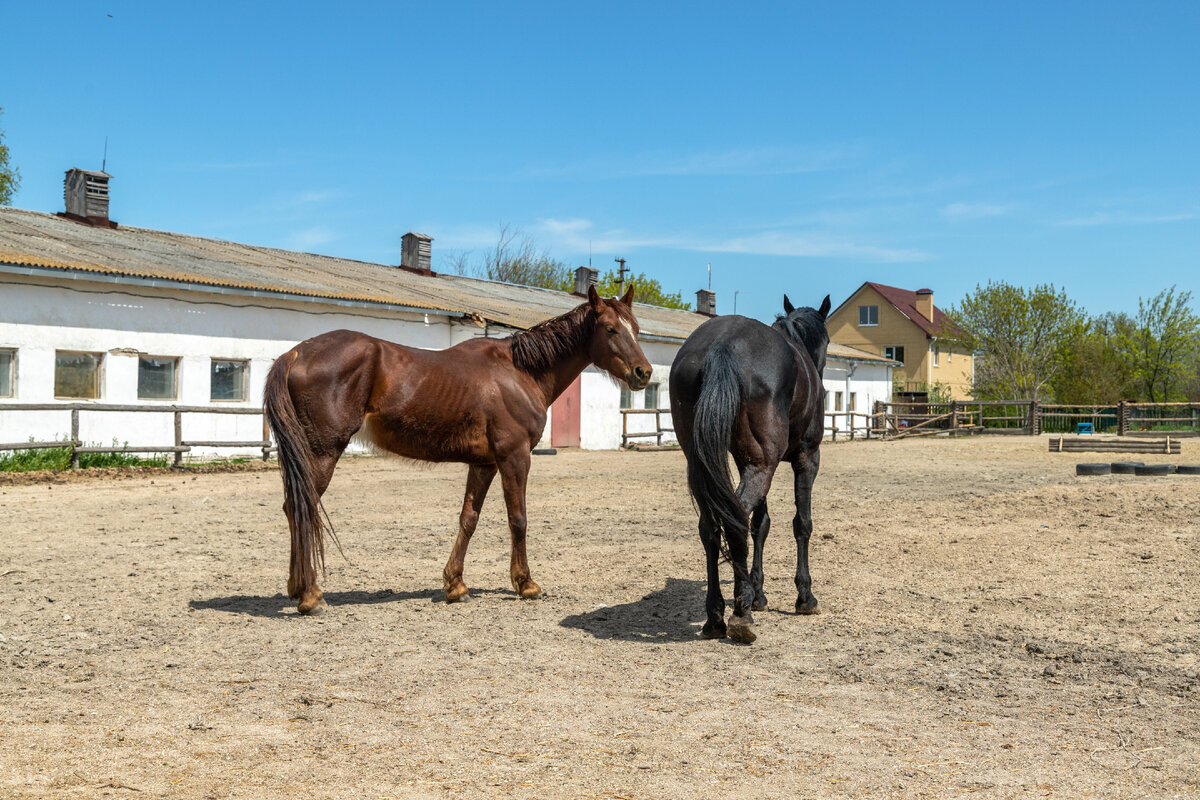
<point>594,297</point>
<point>628,298</point>
<point>824,309</point>
<point>787,305</point>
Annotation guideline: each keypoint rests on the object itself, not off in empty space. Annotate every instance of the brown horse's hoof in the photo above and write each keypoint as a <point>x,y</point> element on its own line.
<point>457,592</point>
<point>313,608</point>
<point>528,590</point>
<point>741,631</point>
<point>809,606</point>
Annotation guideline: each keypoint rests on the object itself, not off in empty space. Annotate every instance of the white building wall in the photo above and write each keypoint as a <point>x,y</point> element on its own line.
<point>867,382</point>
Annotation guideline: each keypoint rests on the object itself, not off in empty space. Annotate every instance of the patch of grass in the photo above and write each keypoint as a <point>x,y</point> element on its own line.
<point>59,458</point>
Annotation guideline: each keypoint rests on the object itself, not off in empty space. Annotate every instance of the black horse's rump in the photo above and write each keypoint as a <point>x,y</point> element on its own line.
<point>754,391</point>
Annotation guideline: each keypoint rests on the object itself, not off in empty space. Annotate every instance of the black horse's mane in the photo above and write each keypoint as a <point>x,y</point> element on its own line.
<point>806,327</point>
<point>545,344</point>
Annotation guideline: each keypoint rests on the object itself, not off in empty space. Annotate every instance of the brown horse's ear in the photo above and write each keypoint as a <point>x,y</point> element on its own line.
<point>787,305</point>
<point>594,297</point>
<point>628,298</point>
<point>824,309</point>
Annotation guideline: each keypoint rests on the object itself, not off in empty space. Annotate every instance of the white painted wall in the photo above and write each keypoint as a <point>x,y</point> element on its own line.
<point>868,382</point>
<point>39,317</point>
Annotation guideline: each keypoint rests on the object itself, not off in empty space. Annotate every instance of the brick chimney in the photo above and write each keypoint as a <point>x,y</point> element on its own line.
<point>416,250</point>
<point>706,302</point>
<point>85,194</point>
<point>585,277</point>
<point>925,303</point>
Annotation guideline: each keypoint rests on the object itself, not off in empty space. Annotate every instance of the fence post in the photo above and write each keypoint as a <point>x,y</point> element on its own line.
<point>1122,418</point>
<point>178,437</point>
<point>266,438</point>
<point>74,438</point>
<point>658,425</point>
<point>954,418</point>
<point>1035,418</point>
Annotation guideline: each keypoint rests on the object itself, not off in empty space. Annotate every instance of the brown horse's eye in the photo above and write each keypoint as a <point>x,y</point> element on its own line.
<point>612,329</point>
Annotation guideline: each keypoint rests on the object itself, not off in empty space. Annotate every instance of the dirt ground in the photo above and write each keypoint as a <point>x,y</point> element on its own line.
<point>992,625</point>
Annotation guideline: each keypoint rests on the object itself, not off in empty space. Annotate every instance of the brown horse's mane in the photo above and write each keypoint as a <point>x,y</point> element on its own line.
<point>545,344</point>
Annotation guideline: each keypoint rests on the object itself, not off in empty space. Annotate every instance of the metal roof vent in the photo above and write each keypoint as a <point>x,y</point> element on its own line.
<point>706,302</point>
<point>416,252</point>
<point>585,277</point>
<point>85,193</point>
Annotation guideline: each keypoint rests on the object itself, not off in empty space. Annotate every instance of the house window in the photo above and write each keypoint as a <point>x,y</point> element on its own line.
<point>228,380</point>
<point>156,377</point>
<point>652,395</point>
<point>77,375</point>
<point>626,397</point>
<point>8,361</point>
<point>935,355</point>
<point>894,353</point>
<point>868,315</point>
<point>837,401</point>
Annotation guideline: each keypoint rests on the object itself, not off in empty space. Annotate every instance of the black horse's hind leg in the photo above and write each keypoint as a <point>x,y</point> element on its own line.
<point>805,467</point>
<point>760,525</point>
<point>756,482</point>
<point>714,602</point>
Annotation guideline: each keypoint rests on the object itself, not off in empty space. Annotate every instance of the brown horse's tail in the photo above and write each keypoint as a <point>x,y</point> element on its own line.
<point>717,407</point>
<point>301,501</point>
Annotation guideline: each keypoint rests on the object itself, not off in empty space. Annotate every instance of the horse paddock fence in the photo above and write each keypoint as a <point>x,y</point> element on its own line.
<point>178,447</point>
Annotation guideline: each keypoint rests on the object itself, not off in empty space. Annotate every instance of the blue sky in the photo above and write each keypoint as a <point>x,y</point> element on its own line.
<point>797,147</point>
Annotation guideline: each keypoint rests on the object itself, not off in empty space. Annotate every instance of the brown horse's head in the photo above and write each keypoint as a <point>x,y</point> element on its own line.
<point>614,346</point>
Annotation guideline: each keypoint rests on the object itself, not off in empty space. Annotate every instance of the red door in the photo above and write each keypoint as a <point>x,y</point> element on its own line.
<point>564,416</point>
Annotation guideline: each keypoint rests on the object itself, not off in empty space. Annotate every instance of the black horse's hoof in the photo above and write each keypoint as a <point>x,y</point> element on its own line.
<point>742,630</point>
<point>809,606</point>
<point>760,603</point>
<point>713,631</point>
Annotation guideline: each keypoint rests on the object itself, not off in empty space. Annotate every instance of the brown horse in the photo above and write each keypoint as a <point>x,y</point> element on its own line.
<point>482,402</point>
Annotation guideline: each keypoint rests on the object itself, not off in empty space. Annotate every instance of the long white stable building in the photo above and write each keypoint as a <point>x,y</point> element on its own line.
<point>101,314</point>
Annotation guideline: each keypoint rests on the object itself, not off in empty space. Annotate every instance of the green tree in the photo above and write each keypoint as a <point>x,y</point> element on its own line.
<point>645,290</point>
<point>516,259</point>
<point>1092,368</point>
<point>1159,349</point>
<point>10,176</point>
<point>1019,335</point>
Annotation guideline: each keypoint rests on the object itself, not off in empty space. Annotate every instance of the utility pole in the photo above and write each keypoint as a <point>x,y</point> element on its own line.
<point>621,276</point>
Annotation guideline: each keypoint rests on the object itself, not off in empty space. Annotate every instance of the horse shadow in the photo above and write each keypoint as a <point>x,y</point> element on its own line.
<point>280,605</point>
<point>671,614</point>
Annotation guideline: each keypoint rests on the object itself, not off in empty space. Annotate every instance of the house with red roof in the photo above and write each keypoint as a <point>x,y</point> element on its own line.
<point>906,326</point>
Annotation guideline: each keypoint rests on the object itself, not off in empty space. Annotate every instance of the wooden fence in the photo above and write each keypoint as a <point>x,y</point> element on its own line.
<point>1031,418</point>
<point>178,447</point>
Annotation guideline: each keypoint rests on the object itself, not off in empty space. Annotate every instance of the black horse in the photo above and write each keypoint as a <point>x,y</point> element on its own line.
<point>741,387</point>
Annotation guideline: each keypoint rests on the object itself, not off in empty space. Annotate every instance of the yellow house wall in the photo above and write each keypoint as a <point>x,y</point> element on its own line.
<point>896,330</point>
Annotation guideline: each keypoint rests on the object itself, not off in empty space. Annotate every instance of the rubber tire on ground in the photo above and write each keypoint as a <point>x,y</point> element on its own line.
<point>545,451</point>
<point>1188,469</point>
<point>1125,467</point>
<point>1153,469</point>
<point>1092,469</point>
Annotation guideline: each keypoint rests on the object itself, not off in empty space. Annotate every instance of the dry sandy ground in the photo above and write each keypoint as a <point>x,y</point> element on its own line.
<point>992,625</point>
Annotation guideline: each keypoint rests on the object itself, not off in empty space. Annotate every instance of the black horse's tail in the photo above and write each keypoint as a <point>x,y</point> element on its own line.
<point>301,501</point>
<point>717,407</point>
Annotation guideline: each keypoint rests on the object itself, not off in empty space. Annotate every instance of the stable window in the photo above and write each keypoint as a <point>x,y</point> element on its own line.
<point>626,397</point>
<point>77,375</point>
<point>868,315</point>
<point>894,353</point>
<point>837,401</point>
<point>8,362</point>
<point>156,377</point>
<point>853,401</point>
<point>228,380</point>
<point>652,395</point>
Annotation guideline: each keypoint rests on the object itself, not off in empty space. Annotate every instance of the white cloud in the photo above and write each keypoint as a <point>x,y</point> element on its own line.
<point>1125,218</point>
<point>309,239</point>
<point>742,161</point>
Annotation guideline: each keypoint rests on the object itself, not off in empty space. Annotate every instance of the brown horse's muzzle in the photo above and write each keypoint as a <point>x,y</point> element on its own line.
<point>638,377</point>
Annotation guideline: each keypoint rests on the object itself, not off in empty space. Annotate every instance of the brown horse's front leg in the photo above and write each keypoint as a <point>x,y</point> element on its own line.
<point>479,478</point>
<point>514,472</point>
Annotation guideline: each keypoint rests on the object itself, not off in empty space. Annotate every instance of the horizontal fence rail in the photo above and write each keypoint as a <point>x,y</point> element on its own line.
<point>178,447</point>
<point>658,431</point>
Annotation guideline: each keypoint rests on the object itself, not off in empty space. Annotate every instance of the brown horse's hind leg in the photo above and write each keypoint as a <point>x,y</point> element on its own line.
<point>514,472</point>
<point>479,478</point>
<point>302,585</point>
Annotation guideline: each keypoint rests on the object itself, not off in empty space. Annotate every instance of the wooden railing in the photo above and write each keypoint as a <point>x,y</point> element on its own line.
<point>1025,417</point>
<point>658,431</point>
<point>179,447</point>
